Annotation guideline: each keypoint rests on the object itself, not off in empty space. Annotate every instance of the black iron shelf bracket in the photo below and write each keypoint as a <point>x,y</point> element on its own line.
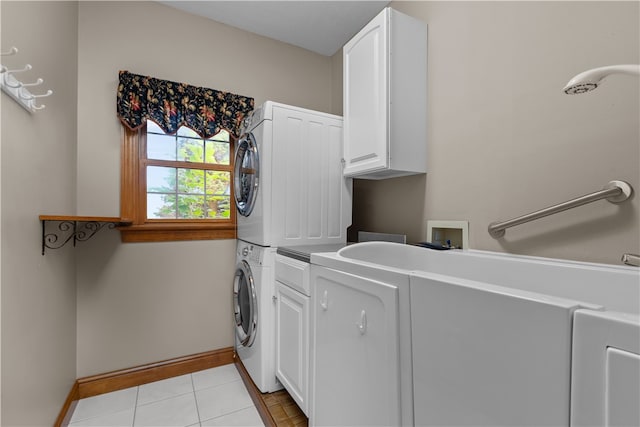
<point>74,229</point>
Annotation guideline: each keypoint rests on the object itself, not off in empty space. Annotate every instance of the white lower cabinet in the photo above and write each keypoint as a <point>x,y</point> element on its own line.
<point>355,368</point>
<point>292,343</point>
<point>292,328</point>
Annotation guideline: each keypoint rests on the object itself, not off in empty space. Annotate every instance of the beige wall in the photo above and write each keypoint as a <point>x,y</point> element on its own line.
<point>140,303</point>
<point>504,140</point>
<point>38,177</point>
<point>336,82</point>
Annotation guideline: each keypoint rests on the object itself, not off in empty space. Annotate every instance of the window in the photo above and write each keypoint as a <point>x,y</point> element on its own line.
<point>175,184</point>
<point>187,176</point>
<point>176,187</point>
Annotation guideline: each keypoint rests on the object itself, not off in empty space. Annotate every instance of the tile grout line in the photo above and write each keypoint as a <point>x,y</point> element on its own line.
<point>222,384</point>
<point>195,397</point>
<point>135,406</point>
<point>231,413</point>
<point>99,414</point>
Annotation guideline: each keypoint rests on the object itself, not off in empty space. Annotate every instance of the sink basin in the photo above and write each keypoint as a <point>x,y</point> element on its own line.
<point>388,254</point>
<point>612,287</point>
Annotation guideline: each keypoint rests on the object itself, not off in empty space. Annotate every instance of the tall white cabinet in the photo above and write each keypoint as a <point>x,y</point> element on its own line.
<point>385,98</point>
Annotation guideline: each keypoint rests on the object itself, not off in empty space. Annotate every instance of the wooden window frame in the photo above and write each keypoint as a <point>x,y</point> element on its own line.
<point>133,201</point>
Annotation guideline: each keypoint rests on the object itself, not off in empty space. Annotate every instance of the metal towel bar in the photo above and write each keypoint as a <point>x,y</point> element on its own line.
<point>614,192</point>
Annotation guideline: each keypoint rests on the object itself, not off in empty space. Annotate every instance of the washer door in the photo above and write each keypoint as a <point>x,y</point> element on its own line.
<point>245,303</point>
<point>246,174</point>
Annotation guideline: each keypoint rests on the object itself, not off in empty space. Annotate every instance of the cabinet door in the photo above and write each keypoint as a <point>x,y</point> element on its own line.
<point>292,343</point>
<point>356,370</point>
<point>309,204</point>
<point>365,76</point>
<point>605,369</point>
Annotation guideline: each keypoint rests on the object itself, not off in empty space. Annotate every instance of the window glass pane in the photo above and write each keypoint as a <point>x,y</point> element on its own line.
<point>191,207</point>
<point>217,152</point>
<point>218,182</point>
<point>161,179</point>
<point>218,206</point>
<point>190,181</point>
<point>161,147</point>
<point>190,150</point>
<point>153,127</point>
<point>161,206</point>
<point>223,135</point>
<point>185,131</point>
<point>188,193</point>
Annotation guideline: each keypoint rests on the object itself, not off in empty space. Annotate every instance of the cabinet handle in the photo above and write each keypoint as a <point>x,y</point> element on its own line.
<point>362,327</point>
<point>324,301</point>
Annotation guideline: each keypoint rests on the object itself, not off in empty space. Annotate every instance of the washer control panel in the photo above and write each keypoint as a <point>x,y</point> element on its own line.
<point>250,252</point>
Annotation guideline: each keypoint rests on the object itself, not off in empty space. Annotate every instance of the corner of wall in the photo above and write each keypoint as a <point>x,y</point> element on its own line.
<point>336,83</point>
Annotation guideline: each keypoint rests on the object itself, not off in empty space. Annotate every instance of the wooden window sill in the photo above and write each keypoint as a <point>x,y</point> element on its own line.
<point>76,218</point>
<point>169,232</point>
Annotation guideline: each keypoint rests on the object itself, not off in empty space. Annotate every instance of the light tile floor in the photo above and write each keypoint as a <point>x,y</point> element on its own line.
<point>213,397</point>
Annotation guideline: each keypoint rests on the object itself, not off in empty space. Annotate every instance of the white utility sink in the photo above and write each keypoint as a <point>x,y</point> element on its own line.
<point>498,339</point>
<point>612,287</point>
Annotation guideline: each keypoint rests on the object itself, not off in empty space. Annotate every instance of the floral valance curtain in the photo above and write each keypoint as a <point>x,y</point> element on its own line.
<point>171,105</point>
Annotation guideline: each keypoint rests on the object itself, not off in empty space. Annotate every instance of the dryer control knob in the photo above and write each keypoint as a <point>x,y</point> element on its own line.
<point>245,251</point>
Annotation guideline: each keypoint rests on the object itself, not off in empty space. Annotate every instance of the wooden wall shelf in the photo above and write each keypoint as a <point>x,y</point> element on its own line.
<point>75,228</point>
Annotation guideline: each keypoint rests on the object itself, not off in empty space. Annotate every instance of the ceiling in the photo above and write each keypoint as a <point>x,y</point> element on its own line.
<point>319,26</point>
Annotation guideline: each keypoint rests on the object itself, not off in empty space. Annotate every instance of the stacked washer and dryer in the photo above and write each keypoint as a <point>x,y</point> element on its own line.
<point>289,190</point>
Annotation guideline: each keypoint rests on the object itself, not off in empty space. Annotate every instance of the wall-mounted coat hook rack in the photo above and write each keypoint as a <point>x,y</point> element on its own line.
<point>12,51</point>
<point>18,90</point>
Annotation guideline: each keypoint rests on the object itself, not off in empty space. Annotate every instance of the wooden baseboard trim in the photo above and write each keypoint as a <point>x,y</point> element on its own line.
<point>125,378</point>
<point>69,406</point>
<point>256,395</point>
<point>117,380</point>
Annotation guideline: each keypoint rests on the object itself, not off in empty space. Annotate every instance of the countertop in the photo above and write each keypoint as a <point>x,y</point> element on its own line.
<point>303,252</point>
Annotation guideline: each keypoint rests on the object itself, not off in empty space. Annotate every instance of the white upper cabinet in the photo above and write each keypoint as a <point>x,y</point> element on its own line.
<point>385,98</point>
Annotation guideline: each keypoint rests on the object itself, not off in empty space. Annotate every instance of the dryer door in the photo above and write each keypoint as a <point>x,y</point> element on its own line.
<point>245,303</point>
<point>246,174</point>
